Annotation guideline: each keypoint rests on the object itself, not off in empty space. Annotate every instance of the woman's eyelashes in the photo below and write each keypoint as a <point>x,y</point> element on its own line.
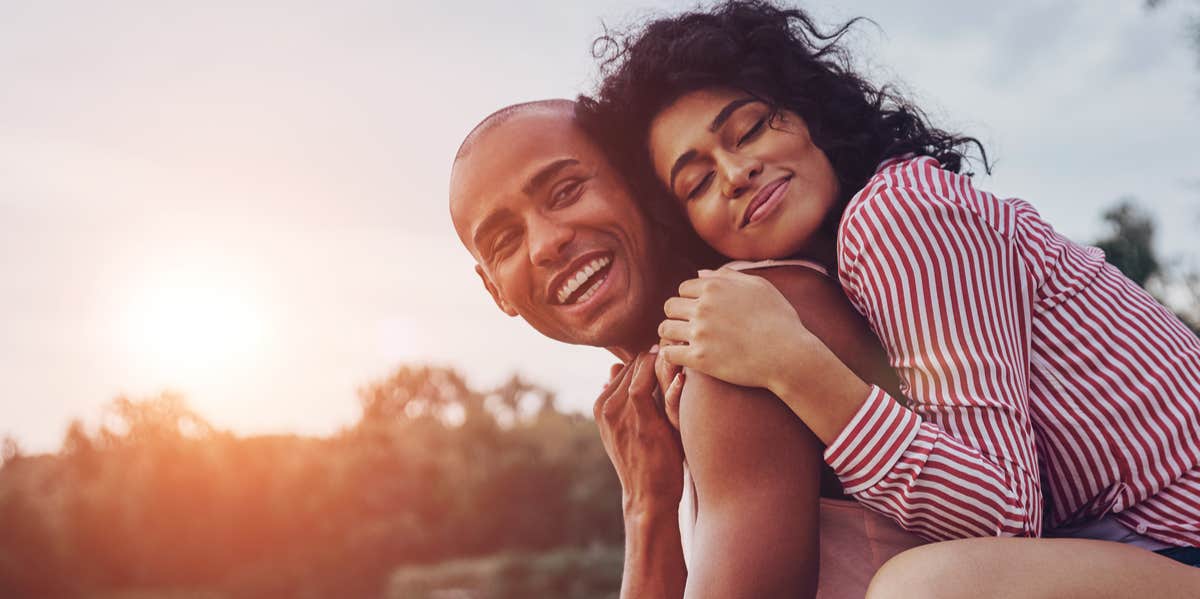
<point>749,135</point>
<point>700,187</point>
<point>754,130</point>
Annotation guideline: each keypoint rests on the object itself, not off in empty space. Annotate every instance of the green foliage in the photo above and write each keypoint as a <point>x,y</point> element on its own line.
<point>1130,243</point>
<point>434,470</point>
<point>1130,247</point>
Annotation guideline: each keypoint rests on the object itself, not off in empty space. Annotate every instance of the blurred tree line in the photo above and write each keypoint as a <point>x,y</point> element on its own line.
<point>1129,245</point>
<point>434,471</point>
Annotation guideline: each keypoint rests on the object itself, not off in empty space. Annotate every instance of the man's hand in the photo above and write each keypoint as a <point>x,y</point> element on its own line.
<point>642,444</point>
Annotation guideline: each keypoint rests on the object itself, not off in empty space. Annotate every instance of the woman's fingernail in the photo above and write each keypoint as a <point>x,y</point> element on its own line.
<point>654,348</point>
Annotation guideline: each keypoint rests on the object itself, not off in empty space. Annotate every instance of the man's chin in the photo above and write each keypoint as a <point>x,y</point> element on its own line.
<point>608,326</point>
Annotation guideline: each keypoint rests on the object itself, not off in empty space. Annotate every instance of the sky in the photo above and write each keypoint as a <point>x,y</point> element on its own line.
<point>246,201</point>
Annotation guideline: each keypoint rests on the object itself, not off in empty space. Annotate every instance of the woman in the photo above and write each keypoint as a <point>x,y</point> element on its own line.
<point>1030,363</point>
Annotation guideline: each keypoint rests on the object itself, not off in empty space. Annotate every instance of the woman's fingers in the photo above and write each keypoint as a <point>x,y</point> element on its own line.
<point>680,308</point>
<point>692,288</point>
<point>679,355</point>
<point>674,330</point>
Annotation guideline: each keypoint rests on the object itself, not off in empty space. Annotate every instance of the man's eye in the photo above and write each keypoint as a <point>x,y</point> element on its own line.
<point>566,193</point>
<point>502,244</point>
<point>753,131</point>
<point>700,187</point>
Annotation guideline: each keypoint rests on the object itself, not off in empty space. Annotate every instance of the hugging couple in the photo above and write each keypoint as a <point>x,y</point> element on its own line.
<point>845,370</point>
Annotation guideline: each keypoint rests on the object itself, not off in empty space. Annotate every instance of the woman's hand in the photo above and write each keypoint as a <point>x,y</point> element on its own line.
<point>739,328</point>
<point>643,446</point>
<point>736,327</point>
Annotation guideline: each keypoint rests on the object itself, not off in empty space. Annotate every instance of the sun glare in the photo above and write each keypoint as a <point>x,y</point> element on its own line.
<point>185,330</point>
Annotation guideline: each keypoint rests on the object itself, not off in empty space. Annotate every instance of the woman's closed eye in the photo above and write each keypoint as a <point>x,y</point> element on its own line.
<point>753,131</point>
<point>700,187</point>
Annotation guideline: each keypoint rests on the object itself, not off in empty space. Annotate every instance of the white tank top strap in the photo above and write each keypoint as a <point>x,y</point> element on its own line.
<point>741,265</point>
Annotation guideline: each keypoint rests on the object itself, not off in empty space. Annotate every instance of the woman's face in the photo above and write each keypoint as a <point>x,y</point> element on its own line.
<point>754,187</point>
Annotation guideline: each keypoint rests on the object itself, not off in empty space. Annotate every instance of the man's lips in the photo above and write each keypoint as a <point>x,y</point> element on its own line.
<point>578,277</point>
<point>766,200</point>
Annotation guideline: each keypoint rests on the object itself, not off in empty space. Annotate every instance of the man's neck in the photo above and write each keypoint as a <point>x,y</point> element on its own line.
<point>646,332</point>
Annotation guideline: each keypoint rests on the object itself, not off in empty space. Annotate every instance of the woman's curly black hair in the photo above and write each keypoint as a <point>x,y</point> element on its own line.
<point>776,54</point>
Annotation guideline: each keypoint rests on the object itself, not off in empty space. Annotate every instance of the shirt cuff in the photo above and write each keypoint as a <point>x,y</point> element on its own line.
<point>878,435</point>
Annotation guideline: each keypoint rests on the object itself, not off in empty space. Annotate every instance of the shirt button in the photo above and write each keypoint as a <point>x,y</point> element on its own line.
<point>1141,529</point>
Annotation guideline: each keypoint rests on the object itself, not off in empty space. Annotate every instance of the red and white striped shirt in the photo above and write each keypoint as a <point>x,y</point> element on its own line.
<point>1031,363</point>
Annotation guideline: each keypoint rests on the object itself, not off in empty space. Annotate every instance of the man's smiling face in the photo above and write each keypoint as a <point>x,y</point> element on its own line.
<point>557,237</point>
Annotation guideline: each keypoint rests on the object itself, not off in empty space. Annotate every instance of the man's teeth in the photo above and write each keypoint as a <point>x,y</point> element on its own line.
<point>585,273</point>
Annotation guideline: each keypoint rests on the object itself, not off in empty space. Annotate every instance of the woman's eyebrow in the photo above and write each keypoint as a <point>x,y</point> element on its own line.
<point>727,112</point>
<point>717,121</point>
<point>681,162</point>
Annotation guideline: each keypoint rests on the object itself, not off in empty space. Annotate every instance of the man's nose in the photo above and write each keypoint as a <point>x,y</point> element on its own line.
<point>547,239</point>
<point>737,173</point>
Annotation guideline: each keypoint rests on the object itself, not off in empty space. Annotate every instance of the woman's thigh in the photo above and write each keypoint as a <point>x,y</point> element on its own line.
<point>1033,569</point>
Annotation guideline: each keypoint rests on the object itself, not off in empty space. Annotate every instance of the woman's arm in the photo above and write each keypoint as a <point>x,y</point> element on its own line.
<point>934,266</point>
<point>951,300</point>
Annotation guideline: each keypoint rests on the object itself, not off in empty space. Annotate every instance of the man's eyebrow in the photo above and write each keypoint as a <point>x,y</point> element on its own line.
<point>547,173</point>
<point>717,121</point>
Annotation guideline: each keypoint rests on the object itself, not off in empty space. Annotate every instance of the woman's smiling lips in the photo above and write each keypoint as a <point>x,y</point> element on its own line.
<point>765,201</point>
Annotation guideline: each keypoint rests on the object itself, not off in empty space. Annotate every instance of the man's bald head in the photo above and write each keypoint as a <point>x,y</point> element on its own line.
<point>556,234</point>
<point>558,106</point>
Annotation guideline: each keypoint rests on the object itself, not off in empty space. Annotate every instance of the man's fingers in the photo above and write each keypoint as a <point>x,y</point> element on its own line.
<point>616,386</point>
<point>674,330</point>
<point>664,371</point>
<point>641,386</point>
<point>671,399</point>
<point>614,370</point>
<point>680,308</point>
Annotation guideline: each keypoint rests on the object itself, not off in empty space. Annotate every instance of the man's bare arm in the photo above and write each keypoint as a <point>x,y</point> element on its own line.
<point>756,468</point>
<point>646,453</point>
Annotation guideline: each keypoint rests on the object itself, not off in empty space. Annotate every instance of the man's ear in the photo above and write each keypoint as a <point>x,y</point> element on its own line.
<point>503,305</point>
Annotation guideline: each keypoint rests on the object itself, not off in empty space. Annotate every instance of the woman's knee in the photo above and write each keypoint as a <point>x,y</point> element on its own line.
<point>928,571</point>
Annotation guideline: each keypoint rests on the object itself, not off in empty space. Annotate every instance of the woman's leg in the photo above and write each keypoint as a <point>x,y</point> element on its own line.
<point>1033,569</point>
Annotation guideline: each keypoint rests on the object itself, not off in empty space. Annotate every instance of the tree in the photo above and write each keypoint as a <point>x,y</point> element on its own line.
<point>1130,243</point>
<point>1192,26</point>
<point>1130,247</point>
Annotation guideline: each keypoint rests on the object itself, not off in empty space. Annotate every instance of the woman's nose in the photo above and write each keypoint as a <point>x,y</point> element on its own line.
<point>737,173</point>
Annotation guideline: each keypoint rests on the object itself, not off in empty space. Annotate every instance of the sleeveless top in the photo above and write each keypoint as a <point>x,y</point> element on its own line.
<point>854,541</point>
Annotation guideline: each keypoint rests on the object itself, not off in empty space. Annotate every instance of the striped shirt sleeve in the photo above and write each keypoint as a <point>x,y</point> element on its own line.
<point>946,291</point>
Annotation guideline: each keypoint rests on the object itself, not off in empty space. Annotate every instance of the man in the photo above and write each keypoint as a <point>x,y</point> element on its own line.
<point>560,242</point>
